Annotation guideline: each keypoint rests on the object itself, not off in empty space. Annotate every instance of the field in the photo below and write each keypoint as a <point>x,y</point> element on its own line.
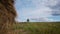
<point>37,28</point>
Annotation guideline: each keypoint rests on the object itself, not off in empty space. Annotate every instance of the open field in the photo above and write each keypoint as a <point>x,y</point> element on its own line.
<point>37,28</point>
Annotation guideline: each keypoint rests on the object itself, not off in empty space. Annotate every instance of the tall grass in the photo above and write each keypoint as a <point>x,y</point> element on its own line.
<point>38,28</point>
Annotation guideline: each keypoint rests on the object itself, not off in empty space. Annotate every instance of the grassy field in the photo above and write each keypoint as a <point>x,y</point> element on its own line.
<point>37,28</point>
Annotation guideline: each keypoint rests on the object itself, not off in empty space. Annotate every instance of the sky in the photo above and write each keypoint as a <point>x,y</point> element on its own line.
<point>38,10</point>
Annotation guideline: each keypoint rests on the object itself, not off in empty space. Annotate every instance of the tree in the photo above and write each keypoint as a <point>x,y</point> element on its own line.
<point>27,20</point>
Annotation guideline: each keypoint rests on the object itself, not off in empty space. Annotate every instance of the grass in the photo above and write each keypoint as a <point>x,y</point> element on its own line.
<point>37,28</point>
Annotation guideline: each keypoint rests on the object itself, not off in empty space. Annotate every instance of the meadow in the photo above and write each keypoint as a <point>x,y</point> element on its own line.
<point>37,28</point>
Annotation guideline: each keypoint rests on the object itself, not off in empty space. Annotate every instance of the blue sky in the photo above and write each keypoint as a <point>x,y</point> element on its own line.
<point>38,10</point>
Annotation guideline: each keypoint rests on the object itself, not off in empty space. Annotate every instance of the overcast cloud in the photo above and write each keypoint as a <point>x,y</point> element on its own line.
<point>40,10</point>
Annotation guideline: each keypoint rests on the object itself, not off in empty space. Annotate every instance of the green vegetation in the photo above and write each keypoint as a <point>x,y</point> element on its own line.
<point>37,28</point>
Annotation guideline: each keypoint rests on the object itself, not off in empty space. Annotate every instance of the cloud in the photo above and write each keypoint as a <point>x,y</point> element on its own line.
<point>56,8</point>
<point>37,9</point>
<point>41,12</point>
<point>44,19</point>
<point>45,2</point>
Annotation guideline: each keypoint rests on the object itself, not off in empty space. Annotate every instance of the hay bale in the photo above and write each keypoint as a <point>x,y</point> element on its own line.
<point>7,16</point>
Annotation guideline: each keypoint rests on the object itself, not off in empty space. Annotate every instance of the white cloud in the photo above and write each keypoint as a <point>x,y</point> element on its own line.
<point>39,3</point>
<point>42,19</point>
<point>37,9</point>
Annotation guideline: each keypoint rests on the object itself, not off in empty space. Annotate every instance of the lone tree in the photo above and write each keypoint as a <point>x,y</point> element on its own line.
<point>27,20</point>
<point>7,16</point>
